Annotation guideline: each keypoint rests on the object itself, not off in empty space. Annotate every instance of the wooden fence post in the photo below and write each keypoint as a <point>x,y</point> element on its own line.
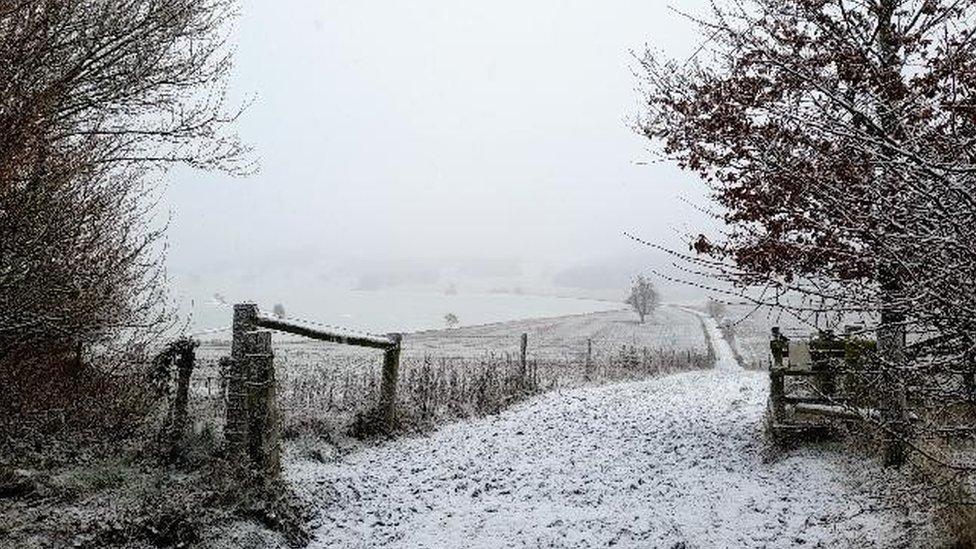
<point>776,393</point>
<point>522,349</point>
<point>178,355</point>
<point>779,347</point>
<point>263,437</point>
<point>184,359</point>
<point>391,367</point>
<point>235,426</point>
<point>589,360</point>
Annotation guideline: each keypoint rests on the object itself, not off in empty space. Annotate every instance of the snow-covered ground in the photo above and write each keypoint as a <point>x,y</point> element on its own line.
<point>724,357</point>
<point>669,462</point>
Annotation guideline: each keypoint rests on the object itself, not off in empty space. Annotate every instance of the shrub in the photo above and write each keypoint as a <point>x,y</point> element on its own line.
<point>54,411</point>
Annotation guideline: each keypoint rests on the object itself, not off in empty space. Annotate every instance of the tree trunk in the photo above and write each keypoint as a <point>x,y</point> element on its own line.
<point>891,330</point>
<point>891,349</point>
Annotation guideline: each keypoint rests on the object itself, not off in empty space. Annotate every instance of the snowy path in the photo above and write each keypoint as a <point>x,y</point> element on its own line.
<point>724,357</point>
<point>669,462</point>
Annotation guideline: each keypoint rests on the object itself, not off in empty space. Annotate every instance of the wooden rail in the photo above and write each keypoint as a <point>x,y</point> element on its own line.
<point>389,344</point>
<point>372,342</point>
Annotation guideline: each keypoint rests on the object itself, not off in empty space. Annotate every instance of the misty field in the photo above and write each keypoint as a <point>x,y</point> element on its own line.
<point>329,390</point>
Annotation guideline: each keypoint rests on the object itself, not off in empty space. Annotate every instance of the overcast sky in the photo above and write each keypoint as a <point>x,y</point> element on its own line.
<point>439,131</point>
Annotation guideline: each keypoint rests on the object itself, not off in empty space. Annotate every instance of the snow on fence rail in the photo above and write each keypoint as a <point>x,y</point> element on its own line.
<point>385,343</point>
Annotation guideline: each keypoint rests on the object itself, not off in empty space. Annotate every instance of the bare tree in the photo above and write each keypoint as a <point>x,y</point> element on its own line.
<point>451,320</point>
<point>97,99</point>
<point>643,297</point>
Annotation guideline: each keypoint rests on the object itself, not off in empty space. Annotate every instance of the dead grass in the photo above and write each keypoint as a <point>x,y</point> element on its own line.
<point>128,501</point>
<point>331,398</point>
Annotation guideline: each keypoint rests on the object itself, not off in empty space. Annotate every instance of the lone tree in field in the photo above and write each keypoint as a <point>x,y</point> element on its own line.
<point>278,310</point>
<point>643,297</point>
<point>451,320</point>
<point>840,139</point>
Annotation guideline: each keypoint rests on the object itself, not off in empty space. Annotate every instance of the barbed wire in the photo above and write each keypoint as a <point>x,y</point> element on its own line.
<point>343,329</point>
<point>446,335</point>
<point>211,331</point>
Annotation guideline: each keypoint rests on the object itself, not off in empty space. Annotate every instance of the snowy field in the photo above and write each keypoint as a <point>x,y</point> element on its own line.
<point>676,461</point>
<point>557,337</point>
<point>566,337</point>
<point>381,310</point>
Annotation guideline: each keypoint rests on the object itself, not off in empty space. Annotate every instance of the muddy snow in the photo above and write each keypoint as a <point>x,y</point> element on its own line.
<point>677,461</point>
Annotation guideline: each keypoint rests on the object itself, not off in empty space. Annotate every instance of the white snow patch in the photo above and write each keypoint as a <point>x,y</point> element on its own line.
<point>650,464</point>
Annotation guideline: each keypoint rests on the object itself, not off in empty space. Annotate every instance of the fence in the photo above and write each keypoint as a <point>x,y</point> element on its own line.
<point>251,412</point>
<point>831,378</point>
<point>818,372</point>
<point>438,376</point>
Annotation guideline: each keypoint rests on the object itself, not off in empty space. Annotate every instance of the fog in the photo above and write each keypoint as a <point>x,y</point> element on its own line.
<point>480,145</point>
